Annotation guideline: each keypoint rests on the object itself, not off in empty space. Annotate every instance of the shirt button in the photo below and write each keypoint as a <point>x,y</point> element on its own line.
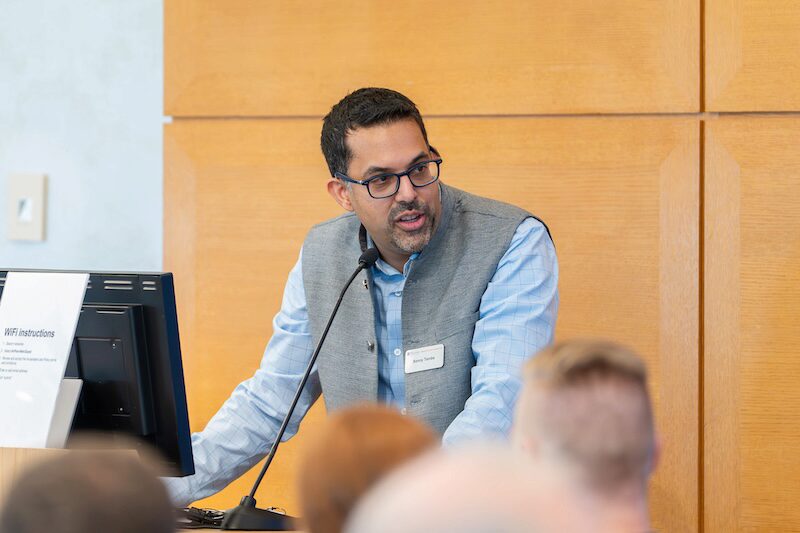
<point>403,411</point>
<point>397,351</point>
<point>398,293</point>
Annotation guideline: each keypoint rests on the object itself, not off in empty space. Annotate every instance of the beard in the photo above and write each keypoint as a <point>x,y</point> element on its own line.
<point>411,242</point>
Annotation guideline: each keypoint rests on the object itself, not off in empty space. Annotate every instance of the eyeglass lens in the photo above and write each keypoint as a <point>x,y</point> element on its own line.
<point>420,175</point>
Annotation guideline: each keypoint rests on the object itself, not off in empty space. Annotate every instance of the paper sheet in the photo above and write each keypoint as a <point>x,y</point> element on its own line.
<point>38,315</point>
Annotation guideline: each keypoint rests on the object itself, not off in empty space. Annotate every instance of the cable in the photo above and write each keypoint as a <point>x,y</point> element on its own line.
<point>195,518</point>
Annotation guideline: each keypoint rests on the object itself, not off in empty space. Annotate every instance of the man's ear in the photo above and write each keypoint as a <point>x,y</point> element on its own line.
<point>530,446</point>
<point>520,438</point>
<point>656,454</point>
<point>340,193</point>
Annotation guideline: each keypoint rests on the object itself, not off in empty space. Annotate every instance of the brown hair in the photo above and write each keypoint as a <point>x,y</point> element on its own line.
<point>80,491</point>
<point>355,448</point>
<point>594,409</point>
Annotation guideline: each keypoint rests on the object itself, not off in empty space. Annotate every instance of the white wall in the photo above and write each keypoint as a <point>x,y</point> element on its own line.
<point>81,101</point>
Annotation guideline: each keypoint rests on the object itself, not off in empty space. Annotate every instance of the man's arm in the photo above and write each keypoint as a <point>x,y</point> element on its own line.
<point>242,431</point>
<point>517,318</point>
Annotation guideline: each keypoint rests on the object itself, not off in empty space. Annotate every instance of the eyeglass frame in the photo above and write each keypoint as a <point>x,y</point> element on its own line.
<point>398,175</point>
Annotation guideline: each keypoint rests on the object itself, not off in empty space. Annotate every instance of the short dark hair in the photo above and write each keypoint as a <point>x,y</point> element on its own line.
<point>370,106</point>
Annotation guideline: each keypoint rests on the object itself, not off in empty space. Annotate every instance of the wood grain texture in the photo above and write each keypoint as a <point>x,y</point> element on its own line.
<point>256,58</point>
<point>620,196</point>
<point>752,287</point>
<point>14,461</point>
<point>752,55</point>
<point>621,199</point>
<point>239,199</point>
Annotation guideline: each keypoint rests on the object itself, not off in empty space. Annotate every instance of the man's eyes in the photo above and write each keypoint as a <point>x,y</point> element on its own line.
<point>419,169</point>
<point>416,170</point>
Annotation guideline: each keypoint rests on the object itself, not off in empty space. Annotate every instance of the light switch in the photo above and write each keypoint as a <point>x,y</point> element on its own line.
<point>26,205</point>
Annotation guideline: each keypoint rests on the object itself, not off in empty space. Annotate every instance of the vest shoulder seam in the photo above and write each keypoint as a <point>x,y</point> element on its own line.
<point>333,220</point>
<point>510,212</point>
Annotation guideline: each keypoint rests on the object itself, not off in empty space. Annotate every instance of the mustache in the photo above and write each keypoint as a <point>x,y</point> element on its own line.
<point>408,206</point>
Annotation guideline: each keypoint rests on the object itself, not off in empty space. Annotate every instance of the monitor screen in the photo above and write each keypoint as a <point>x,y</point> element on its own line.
<point>127,352</point>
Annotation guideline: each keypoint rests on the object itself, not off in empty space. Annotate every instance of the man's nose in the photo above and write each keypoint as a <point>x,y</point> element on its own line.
<point>406,192</point>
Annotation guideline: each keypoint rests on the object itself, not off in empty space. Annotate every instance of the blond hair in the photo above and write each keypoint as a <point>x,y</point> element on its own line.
<point>587,400</point>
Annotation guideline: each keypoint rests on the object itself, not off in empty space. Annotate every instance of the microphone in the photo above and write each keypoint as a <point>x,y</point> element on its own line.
<point>246,516</point>
<point>368,258</point>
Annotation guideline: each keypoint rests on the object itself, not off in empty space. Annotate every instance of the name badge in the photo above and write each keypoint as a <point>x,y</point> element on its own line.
<point>425,358</point>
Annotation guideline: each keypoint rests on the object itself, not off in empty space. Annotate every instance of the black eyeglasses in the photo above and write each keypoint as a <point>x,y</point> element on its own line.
<point>386,185</point>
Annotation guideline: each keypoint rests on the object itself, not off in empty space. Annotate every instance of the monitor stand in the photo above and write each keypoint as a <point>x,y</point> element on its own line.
<point>66,404</point>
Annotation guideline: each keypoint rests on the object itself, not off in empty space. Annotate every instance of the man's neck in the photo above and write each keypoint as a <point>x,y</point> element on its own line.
<point>623,511</point>
<point>398,264</point>
<point>397,261</point>
<point>626,513</point>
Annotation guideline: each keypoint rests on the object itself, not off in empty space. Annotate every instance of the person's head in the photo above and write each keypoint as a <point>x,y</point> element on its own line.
<point>372,132</point>
<point>476,489</point>
<point>585,410</point>
<point>355,448</point>
<point>80,491</point>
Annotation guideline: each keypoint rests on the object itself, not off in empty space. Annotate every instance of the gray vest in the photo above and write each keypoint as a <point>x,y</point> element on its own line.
<point>441,300</point>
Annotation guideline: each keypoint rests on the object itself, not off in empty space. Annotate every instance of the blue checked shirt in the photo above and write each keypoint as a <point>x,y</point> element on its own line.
<point>517,318</point>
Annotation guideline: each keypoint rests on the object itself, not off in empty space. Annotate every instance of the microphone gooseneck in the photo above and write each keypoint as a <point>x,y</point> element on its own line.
<point>246,516</point>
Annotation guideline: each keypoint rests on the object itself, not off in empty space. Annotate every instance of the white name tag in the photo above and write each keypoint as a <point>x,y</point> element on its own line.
<point>424,358</point>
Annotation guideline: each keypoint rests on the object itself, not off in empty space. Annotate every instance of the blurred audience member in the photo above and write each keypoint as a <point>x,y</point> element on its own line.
<point>584,418</point>
<point>82,491</point>
<point>354,449</point>
<point>486,489</point>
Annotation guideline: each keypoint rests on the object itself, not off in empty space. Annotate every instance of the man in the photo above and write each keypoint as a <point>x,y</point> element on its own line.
<point>82,491</point>
<point>465,288</point>
<point>585,420</point>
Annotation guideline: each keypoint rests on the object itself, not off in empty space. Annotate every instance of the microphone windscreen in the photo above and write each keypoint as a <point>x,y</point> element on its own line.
<point>368,258</point>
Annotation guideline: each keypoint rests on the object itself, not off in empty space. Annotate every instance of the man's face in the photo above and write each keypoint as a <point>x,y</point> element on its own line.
<point>401,224</point>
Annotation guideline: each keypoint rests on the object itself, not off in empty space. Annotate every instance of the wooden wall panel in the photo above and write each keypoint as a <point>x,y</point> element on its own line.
<point>620,196</point>
<point>752,55</point>
<point>256,58</point>
<point>239,198</point>
<point>752,290</point>
<point>621,199</point>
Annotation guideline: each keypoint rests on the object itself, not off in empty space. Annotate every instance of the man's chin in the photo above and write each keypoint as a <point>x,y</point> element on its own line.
<point>413,244</point>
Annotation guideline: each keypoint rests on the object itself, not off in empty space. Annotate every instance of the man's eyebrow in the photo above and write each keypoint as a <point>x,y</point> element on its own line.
<point>383,170</point>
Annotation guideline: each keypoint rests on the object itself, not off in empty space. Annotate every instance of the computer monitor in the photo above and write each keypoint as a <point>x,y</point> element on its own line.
<point>127,352</point>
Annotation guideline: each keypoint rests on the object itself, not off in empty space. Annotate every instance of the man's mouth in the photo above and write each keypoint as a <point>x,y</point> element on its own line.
<point>410,220</point>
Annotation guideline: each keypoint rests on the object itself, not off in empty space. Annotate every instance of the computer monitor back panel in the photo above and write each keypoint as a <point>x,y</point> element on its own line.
<point>115,369</point>
<point>127,351</point>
